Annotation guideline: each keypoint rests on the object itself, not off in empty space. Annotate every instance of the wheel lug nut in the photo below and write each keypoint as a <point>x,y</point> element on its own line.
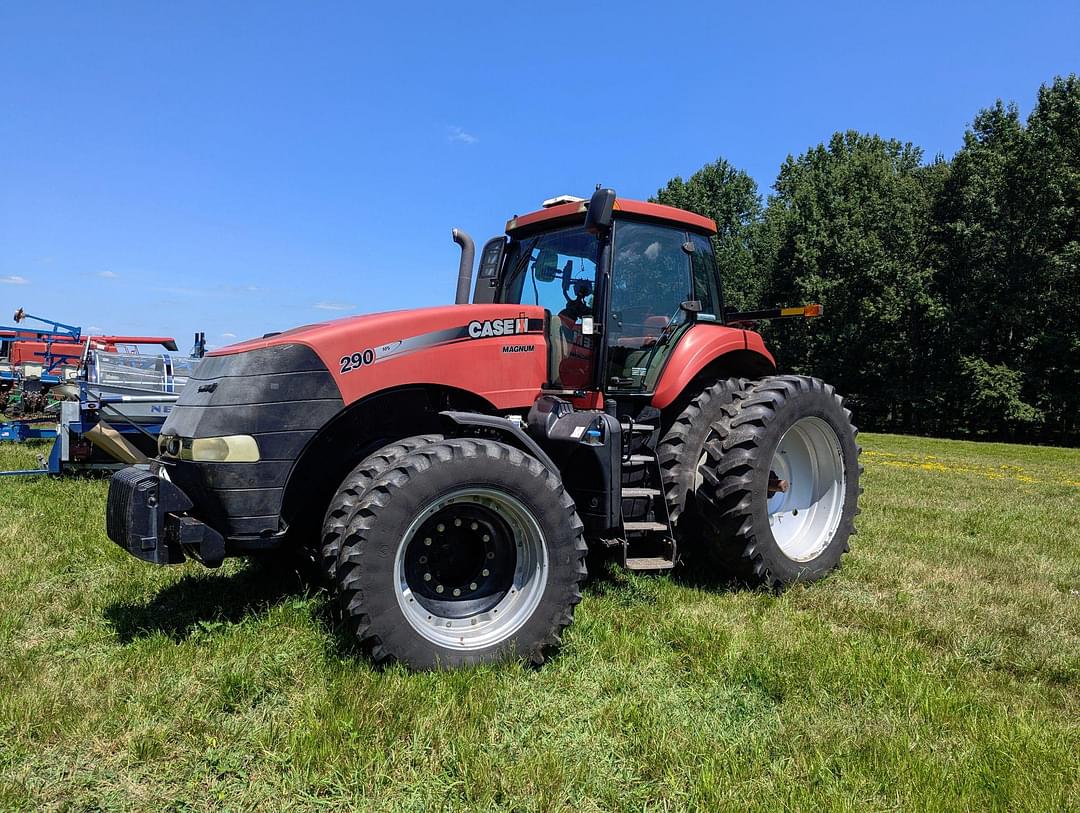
<point>486,538</point>
<point>427,540</point>
<point>472,586</point>
<point>439,588</point>
<point>457,592</point>
<point>457,523</point>
<point>484,572</point>
<point>440,527</point>
<point>474,526</point>
<point>427,577</point>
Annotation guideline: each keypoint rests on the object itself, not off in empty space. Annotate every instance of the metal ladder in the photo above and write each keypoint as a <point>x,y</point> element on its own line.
<point>648,541</point>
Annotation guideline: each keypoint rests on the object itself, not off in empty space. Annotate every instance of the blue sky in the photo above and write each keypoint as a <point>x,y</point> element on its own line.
<point>246,167</point>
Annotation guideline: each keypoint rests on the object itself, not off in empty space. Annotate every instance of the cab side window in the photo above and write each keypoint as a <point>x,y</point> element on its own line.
<point>703,267</point>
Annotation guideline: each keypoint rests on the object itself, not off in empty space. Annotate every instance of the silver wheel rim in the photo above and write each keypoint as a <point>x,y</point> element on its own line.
<point>506,604</point>
<point>804,518</point>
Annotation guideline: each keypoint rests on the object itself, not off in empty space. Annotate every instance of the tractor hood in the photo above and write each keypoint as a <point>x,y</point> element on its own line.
<point>283,390</point>
<point>496,351</point>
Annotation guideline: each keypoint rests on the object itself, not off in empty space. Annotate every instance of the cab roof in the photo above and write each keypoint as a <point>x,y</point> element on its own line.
<point>575,210</point>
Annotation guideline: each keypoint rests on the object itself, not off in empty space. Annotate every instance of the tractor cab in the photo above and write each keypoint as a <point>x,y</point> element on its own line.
<point>620,289</point>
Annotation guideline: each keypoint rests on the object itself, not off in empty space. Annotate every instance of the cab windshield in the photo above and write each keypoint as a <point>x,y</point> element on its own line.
<point>557,271</point>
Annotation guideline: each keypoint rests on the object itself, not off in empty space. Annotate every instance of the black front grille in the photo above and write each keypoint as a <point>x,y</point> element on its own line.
<point>282,396</point>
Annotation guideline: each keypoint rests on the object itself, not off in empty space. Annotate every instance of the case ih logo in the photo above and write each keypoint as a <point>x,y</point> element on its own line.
<point>498,327</point>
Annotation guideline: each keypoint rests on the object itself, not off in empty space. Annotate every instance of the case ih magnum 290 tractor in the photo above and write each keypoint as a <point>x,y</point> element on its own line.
<point>453,465</point>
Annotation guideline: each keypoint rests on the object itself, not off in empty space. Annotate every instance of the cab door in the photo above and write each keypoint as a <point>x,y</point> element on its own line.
<point>651,278</point>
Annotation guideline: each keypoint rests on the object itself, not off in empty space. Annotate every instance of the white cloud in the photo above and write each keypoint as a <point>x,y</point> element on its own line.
<point>182,291</point>
<point>95,329</point>
<point>244,289</point>
<point>228,335</point>
<point>459,136</point>
<point>14,279</point>
<point>108,275</point>
<point>333,306</point>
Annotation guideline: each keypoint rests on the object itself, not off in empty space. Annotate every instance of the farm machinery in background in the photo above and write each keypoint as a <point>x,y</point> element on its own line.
<point>101,398</point>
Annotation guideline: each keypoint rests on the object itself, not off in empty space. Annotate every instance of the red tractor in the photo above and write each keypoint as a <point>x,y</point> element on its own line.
<point>452,466</point>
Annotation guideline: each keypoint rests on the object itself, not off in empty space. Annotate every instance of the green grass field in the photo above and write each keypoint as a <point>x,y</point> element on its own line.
<point>939,669</point>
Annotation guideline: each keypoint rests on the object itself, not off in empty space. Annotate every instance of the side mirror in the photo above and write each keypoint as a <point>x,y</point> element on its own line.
<point>546,266</point>
<point>601,211</point>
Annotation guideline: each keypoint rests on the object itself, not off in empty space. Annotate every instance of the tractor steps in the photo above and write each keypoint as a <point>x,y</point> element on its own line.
<point>648,563</point>
<point>640,493</point>
<point>641,527</point>
<point>648,542</point>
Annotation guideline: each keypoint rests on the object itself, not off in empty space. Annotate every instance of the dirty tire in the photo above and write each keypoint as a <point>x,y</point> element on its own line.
<point>798,425</point>
<point>352,489</point>
<point>404,542</point>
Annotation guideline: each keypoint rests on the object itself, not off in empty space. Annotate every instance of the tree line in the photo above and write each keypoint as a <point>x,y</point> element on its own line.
<point>951,288</point>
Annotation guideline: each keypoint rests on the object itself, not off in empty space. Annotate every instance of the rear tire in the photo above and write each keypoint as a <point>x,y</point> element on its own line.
<point>463,552</point>
<point>787,428</point>
<point>352,490</point>
<point>682,449</point>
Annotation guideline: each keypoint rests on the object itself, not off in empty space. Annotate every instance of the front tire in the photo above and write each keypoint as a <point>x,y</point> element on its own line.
<point>465,551</point>
<point>352,490</point>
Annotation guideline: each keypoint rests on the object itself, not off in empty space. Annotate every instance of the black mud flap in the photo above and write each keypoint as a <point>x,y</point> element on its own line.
<point>144,518</point>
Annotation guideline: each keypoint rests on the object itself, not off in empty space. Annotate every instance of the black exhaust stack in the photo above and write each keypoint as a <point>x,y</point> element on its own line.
<point>464,276</point>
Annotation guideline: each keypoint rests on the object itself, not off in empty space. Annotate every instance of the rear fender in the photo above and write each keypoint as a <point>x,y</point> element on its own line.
<point>705,347</point>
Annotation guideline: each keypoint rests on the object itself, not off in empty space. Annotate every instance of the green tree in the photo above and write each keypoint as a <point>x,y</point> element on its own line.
<point>730,197</point>
<point>1050,172</point>
<point>1008,250</point>
<point>951,289</point>
<point>848,227</point>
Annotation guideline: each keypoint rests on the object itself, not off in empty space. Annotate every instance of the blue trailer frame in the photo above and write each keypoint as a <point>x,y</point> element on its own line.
<point>77,418</point>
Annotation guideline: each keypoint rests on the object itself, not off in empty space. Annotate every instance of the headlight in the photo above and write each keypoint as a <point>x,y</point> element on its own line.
<point>231,449</point>
<point>169,445</point>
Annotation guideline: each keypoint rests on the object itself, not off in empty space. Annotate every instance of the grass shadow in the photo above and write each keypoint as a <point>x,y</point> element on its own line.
<point>708,577</point>
<point>608,579</point>
<point>197,601</point>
